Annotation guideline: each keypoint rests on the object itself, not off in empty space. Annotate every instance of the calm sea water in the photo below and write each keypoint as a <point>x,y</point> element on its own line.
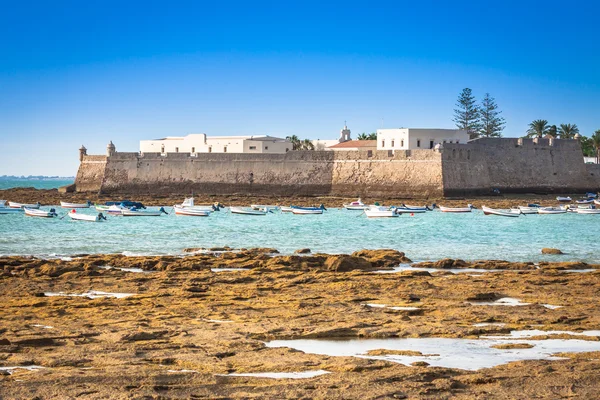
<point>430,236</point>
<point>9,183</point>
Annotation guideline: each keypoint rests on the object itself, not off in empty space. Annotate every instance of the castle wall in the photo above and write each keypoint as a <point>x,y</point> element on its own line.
<point>90,173</point>
<point>516,166</point>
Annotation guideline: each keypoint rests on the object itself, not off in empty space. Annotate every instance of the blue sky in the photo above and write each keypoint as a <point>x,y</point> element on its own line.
<point>77,72</point>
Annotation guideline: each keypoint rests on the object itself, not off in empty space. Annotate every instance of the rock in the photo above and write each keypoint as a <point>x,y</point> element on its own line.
<point>4,342</point>
<point>384,258</point>
<point>420,364</point>
<point>549,250</point>
<point>4,372</point>
<point>508,346</point>
<point>134,337</point>
<point>302,251</point>
<point>38,342</point>
<point>344,263</point>
<point>488,296</point>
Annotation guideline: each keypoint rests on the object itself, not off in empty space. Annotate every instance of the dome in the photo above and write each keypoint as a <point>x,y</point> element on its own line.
<point>577,136</point>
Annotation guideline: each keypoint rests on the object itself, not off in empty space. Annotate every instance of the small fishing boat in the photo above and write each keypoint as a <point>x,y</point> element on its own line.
<point>247,211</point>
<point>35,206</point>
<point>501,212</point>
<point>585,201</point>
<point>587,210</point>
<point>286,209</point>
<point>33,212</point>
<point>64,204</point>
<point>563,199</point>
<point>466,209</point>
<point>530,209</point>
<point>381,212</point>
<point>134,212</point>
<point>74,215</point>
<point>101,207</point>
<point>7,210</point>
<point>264,207</point>
<point>405,210</point>
<point>552,210</point>
<point>307,210</point>
<point>357,205</point>
<point>191,212</point>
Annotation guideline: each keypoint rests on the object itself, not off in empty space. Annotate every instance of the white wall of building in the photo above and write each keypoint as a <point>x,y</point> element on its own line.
<point>413,138</point>
<point>201,143</point>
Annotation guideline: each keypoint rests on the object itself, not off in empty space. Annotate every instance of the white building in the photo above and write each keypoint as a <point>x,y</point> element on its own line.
<point>200,143</point>
<point>326,144</point>
<point>411,138</point>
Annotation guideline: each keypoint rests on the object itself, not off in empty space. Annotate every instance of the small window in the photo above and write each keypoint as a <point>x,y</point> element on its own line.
<point>457,142</point>
<point>431,144</point>
<point>210,149</point>
<point>193,149</point>
<point>286,150</point>
<point>418,143</point>
<point>402,143</point>
<point>383,143</point>
<point>266,147</point>
<point>252,147</point>
<point>225,149</point>
<point>392,143</point>
<point>176,149</point>
<point>445,141</point>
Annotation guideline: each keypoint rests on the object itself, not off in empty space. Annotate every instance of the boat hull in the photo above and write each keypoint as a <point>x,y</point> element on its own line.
<point>84,217</point>
<point>246,211</point>
<point>74,205</point>
<point>190,212</point>
<point>12,204</point>
<point>455,209</point>
<point>301,211</point>
<point>32,212</point>
<point>500,213</point>
<point>544,210</point>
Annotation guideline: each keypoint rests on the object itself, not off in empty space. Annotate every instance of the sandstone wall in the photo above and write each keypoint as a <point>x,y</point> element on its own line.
<point>90,173</point>
<point>515,166</point>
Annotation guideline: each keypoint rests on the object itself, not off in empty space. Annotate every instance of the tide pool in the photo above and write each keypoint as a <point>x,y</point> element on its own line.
<point>430,236</point>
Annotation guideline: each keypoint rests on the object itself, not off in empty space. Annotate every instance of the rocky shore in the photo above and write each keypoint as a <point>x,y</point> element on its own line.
<point>177,327</point>
<point>53,197</point>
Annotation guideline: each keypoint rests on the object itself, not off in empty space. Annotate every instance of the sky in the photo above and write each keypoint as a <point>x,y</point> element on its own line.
<point>74,72</point>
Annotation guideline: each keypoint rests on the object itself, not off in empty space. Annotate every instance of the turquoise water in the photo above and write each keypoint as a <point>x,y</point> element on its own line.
<point>430,236</point>
<point>9,183</point>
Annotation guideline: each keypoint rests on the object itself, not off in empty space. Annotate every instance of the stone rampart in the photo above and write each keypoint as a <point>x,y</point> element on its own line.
<point>91,173</point>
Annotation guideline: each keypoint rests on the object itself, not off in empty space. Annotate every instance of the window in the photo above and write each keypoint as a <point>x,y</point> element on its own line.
<point>431,144</point>
<point>224,149</point>
<point>457,141</point>
<point>383,143</point>
<point>392,143</point>
<point>266,147</point>
<point>286,150</point>
<point>252,147</point>
<point>445,141</point>
<point>418,143</point>
<point>176,149</point>
<point>402,143</point>
<point>210,149</point>
<point>193,149</point>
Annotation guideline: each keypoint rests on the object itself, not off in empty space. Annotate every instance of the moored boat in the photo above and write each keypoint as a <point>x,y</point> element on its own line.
<point>247,211</point>
<point>500,212</point>
<point>188,203</point>
<point>7,210</point>
<point>133,212</point>
<point>307,210</point>
<point>74,215</point>
<point>13,204</point>
<point>33,212</point>
<point>381,212</point>
<point>552,210</point>
<point>264,207</point>
<point>466,209</point>
<point>286,209</point>
<point>101,207</point>
<point>587,210</point>
<point>357,205</point>
<point>563,199</point>
<point>191,212</point>
<point>64,204</point>
<point>585,201</point>
<point>410,210</point>
<point>530,209</point>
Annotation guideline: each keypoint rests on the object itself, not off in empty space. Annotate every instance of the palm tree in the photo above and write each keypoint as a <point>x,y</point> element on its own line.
<point>295,142</point>
<point>596,142</point>
<point>568,131</point>
<point>538,127</point>
<point>306,144</point>
<point>552,131</point>
<point>363,136</point>
<point>372,136</point>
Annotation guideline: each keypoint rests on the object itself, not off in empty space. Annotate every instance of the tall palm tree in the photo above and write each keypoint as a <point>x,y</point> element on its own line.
<point>295,142</point>
<point>538,127</point>
<point>568,131</point>
<point>553,131</point>
<point>596,142</point>
<point>306,144</point>
<point>363,136</point>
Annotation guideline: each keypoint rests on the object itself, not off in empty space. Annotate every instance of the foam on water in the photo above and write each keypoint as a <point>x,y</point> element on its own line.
<point>282,375</point>
<point>505,301</point>
<point>25,367</point>
<point>537,332</point>
<point>92,294</point>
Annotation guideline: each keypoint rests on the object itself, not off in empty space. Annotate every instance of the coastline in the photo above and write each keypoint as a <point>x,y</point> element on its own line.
<point>190,322</point>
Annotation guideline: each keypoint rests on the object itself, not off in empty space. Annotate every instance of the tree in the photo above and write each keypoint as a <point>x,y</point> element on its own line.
<point>295,142</point>
<point>587,147</point>
<point>466,116</point>
<point>370,136</point>
<point>596,142</point>
<point>553,131</point>
<point>538,127</point>
<point>491,124</point>
<point>306,144</point>
<point>568,131</point>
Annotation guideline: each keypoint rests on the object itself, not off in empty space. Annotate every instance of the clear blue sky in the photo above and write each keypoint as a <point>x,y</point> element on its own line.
<point>74,73</point>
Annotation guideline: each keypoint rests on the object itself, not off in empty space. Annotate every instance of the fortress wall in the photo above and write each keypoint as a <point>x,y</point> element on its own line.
<point>90,173</point>
<point>479,166</point>
<point>400,173</point>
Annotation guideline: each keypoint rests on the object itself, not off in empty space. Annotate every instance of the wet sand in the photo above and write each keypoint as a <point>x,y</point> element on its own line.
<point>185,328</point>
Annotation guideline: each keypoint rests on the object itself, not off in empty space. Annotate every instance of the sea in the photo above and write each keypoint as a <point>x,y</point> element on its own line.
<point>37,183</point>
<point>430,236</point>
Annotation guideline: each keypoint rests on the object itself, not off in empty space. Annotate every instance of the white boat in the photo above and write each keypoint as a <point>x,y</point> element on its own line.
<point>12,204</point>
<point>101,207</point>
<point>191,212</point>
<point>563,199</point>
<point>597,202</point>
<point>356,205</point>
<point>381,212</point>
<point>410,210</point>
<point>33,212</point>
<point>501,212</point>
<point>527,209</point>
<point>552,210</point>
<point>74,215</point>
<point>264,207</point>
<point>64,204</point>
<point>587,210</point>
<point>307,211</point>
<point>286,209</point>
<point>466,209</point>
<point>7,210</point>
<point>247,211</point>
<point>189,204</point>
<point>584,201</point>
<point>143,213</point>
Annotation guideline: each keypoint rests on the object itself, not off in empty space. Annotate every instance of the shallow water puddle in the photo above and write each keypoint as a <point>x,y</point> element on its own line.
<point>182,371</point>
<point>397,308</point>
<point>42,326</point>
<point>579,270</point>
<point>537,332</point>
<point>228,269</point>
<point>282,375</point>
<point>550,306</point>
<point>408,267</point>
<point>505,301</point>
<point>92,294</point>
<point>25,367</point>
<point>468,354</point>
<point>217,321</point>
<point>482,324</point>
<point>134,270</point>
